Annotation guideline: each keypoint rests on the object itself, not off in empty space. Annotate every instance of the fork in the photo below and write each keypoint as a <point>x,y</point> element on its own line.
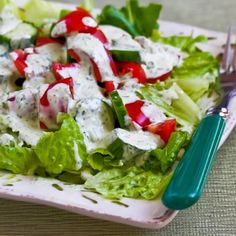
<point>189,178</point>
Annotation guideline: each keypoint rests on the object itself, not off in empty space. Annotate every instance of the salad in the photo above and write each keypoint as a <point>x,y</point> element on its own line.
<point>102,100</point>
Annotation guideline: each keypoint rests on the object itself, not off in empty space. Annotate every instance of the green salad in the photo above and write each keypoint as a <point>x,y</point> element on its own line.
<point>102,100</point>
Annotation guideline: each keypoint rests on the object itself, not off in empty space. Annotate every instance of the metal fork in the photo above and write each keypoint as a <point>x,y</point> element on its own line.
<point>188,181</point>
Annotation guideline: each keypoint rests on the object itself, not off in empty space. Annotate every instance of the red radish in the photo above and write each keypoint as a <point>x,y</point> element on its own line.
<point>164,129</point>
<point>135,70</point>
<point>76,21</point>
<point>136,114</point>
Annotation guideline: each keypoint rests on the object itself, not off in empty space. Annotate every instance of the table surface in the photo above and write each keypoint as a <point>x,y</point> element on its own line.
<point>215,214</point>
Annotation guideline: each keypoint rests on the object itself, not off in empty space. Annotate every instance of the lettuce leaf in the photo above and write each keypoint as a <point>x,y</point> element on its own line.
<point>40,11</point>
<point>100,159</point>
<point>197,74</point>
<point>163,159</point>
<point>185,43</point>
<point>132,183</point>
<point>145,18</point>
<point>63,150</point>
<point>19,160</point>
<point>183,109</point>
<point>135,19</point>
<point>88,5</point>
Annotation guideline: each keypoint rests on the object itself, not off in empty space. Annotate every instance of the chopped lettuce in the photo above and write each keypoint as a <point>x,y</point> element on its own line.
<point>63,150</point>
<point>100,159</point>
<point>132,183</point>
<point>185,43</point>
<point>19,160</point>
<point>132,18</point>
<point>88,5</point>
<point>163,159</point>
<point>40,11</point>
<point>198,72</point>
<point>183,109</point>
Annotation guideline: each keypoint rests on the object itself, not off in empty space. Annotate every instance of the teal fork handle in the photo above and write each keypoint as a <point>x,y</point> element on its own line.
<point>187,183</point>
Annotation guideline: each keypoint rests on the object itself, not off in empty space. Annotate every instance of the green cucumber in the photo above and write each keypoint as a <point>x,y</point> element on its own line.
<point>129,145</point>
<point>22,36</point>
<point>126,55</point>
<point>120,110</point>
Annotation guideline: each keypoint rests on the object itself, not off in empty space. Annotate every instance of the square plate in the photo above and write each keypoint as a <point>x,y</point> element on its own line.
<point>141,213</point>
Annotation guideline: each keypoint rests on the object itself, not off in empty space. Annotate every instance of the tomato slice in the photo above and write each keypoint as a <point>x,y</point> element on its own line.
<point>134,69</point>
<point>160,78</point>
<point>136,114</point>
<point>164,129</point>
<point>41,41</point>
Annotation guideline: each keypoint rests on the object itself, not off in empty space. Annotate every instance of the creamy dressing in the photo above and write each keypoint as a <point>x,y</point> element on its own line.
<point>85,85</point>
<point>154,114</point>
<point>95,50</point>
<point>142,140</point>
<point>58,98</point>
<point>7,139</point>
<point>128,91</point>
<point>37,64</point>
<point>28,129</point>
<point>158,59</point>
<point>24,103</point>
<point>55,52</point>
<point>169,95</point>
<point>89,21</point>
<point>119,39</point>
<point>59,29</point>
<point>94,121</point>
<point>78,160</point>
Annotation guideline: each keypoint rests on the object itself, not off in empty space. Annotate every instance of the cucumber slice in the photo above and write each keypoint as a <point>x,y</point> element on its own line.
<point>22,36</point>
<point>120,110</point>
<point>131,144</point>
<point>125,55</point>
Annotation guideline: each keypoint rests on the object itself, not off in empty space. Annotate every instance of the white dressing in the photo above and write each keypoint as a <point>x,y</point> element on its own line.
<point>158,59</point>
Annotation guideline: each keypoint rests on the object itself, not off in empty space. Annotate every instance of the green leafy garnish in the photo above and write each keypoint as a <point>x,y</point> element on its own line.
<point>135,19</point>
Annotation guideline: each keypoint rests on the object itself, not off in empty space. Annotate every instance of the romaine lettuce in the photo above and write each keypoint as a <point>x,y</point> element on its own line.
<point>183,109</point>
<point>62,150</point>
<point>132,183</point>
<point>185,43</point>
<point>163,159</point>
<point>19,160</point>
<point>197,74</point>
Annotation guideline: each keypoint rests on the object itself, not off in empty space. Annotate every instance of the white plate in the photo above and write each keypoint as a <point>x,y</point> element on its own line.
<point>141,213</point>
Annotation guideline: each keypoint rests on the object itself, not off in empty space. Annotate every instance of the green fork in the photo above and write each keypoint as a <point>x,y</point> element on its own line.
<point>188,181</point>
